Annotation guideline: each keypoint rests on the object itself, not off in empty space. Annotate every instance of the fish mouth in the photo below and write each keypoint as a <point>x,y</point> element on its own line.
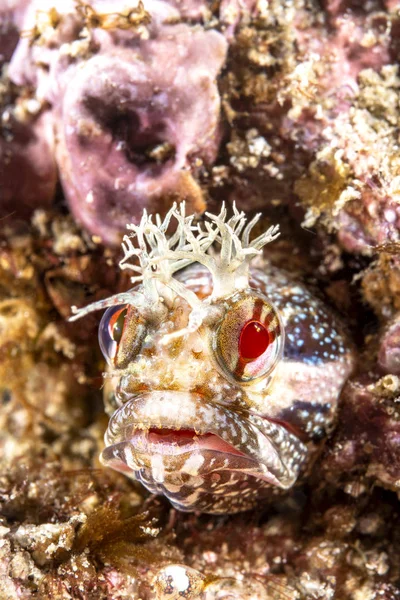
<point>169,431</point>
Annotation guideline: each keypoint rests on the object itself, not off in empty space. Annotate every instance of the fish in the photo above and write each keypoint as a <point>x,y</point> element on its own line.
<point>224,373</point>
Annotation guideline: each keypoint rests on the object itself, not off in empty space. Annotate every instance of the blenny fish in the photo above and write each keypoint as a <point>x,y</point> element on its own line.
<point>224,373</point>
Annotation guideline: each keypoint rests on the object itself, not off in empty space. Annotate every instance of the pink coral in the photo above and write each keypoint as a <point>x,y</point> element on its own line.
<point>135,109</point>
<point>131,138</point>
<point>389,349</point>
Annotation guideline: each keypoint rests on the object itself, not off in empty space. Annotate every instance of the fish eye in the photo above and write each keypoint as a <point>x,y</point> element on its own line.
<point>116,324</point>
<point>249,340</point>
<point>111,331</point>
<point>121,334</point>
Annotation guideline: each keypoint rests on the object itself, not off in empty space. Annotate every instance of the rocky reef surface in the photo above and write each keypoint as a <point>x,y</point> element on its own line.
<point>287,107</point>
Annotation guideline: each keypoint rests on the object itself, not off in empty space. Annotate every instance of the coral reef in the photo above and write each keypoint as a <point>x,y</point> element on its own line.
<point>137,135</point>
<point>288,107</point>
<point>313,99</point>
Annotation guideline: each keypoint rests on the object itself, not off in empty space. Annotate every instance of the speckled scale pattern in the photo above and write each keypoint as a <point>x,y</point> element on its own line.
<point>314,337</point>
<point>311,329</point>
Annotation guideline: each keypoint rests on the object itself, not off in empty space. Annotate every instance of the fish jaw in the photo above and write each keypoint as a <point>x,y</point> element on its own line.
<point>191,450</point>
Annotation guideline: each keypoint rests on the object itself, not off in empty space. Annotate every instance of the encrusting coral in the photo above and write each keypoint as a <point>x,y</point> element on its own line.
<point>137,135</point>
<point>313,97</point>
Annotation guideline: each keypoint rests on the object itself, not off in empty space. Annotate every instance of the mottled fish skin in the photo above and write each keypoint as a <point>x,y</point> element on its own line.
<point>274,425</point>
<point>317,358</point>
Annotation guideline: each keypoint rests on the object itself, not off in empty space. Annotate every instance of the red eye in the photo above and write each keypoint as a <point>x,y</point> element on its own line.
<point>111,330</point>
<point>121,333</point>
<point>254,340</point>
<point>116,324</point>
<point>249,339</point>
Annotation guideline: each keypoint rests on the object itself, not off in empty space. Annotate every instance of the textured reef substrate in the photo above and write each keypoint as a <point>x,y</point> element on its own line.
<point>290,108</point>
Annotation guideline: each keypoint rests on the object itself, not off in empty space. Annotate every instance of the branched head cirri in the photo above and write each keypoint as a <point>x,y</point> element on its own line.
<point>224,375</point>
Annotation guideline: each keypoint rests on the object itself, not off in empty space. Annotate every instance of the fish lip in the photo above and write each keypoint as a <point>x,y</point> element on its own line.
<point>267,444</point>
